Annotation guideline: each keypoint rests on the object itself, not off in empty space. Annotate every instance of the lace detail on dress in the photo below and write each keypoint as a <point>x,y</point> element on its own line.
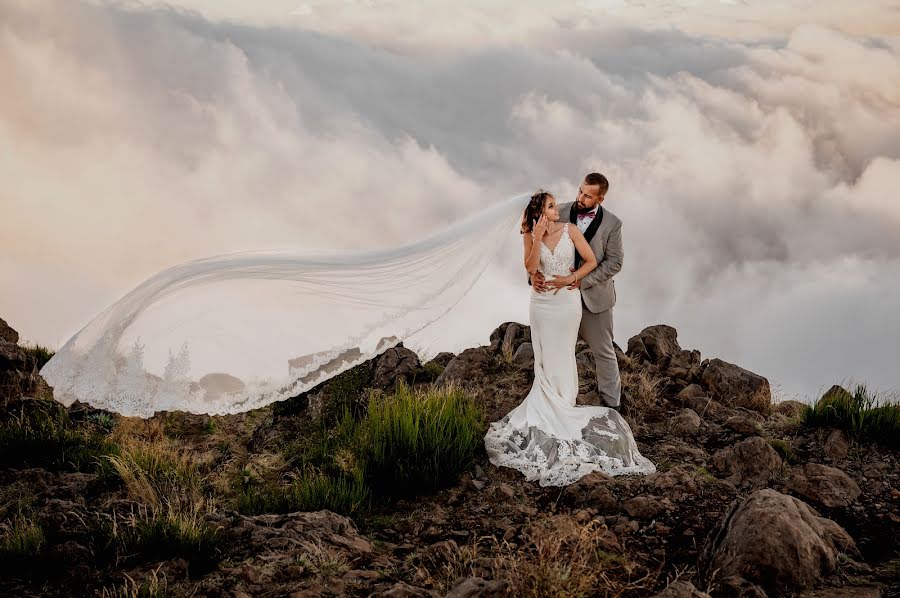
<point>557,262</point>
<point>606,445</point>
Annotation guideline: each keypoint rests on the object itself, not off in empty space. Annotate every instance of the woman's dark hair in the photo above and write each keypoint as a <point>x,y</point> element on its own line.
<point>533,210</point>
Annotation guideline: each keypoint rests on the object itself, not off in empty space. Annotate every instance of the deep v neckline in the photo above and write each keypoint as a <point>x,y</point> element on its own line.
<point>553,251</point>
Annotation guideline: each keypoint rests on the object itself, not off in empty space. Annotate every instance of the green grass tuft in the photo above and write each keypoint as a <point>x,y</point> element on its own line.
<point>40,434</point>
<point>415,441</point>
<point>860,412</point>
<point>23,539</point>
<point>784,448</point>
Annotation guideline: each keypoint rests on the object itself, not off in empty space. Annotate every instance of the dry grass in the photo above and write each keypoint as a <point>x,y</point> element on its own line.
<point>643,394</point>
<point>556,557</point>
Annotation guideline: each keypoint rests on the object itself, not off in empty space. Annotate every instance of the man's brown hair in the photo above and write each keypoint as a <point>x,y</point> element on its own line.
<point>595,178</point>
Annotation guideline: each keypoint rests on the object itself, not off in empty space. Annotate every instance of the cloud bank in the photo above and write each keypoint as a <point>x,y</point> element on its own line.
<point>754,175</point>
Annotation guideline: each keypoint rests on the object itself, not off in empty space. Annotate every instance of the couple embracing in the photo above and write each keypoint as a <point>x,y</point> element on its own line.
<point>571,253</point>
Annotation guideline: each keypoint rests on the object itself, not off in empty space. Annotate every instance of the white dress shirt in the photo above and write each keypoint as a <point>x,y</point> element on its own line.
<point>585,222</point>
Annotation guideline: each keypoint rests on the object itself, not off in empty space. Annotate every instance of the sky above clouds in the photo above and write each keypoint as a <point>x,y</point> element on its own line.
<point>753,151</point>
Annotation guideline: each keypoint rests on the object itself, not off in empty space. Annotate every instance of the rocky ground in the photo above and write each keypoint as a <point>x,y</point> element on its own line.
<point>747,500</point>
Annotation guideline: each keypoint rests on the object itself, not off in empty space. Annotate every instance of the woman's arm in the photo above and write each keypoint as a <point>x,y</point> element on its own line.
<point>533,245</point>
<point>532,253</point>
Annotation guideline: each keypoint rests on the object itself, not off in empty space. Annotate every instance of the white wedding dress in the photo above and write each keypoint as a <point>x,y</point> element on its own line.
<point>548,437</point>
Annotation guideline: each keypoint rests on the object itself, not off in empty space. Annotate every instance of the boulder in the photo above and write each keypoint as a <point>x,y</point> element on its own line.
<point>776,541</point>
<point>751,462</point>
<point>7,333</point>
<point>395,364</point>
<point>653,343</point>
<point>733,385</point>
<point>507,337</point>
<point>469,366</point>
<point>825,485</point>
<point>19,373</point>
<point>524,356</point>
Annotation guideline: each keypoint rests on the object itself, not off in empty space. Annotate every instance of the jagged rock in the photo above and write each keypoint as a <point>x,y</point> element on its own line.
<point>468,366</point>
<point>653,343</point>
<point>7,333</point>
<point>524,356</point>
<point>733,385</point>
<point>19,375</point>
<point>474,587</point>
<point>507,337</point>
<point>681,589</point>
<point>394,364</point>
<point>837,445</point>
<point>776,541</point>
<point>826,485</point>
<point>743,425</point>
<point>686,423</point>
<point>684,365</point>
<point>751,462</point>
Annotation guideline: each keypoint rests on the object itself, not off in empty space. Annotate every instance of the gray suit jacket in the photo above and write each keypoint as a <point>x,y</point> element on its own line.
<point>598,290</point>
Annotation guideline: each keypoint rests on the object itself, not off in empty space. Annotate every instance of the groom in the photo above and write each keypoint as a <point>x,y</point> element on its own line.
<point>603,231</point>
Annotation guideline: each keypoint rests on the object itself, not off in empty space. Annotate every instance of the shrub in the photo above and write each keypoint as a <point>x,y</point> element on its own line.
<point>415,441</point>
<point>23,539</point>
<point>42,435</point>
<point>861,413</point>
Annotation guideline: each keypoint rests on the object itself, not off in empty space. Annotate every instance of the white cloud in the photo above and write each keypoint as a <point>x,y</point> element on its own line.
<point>755,178</point>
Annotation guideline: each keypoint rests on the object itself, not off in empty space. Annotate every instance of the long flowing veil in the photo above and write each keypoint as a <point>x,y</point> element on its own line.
<point>234,332</point>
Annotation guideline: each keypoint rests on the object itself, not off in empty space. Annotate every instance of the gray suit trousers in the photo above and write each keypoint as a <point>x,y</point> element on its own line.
<point>597,331</point>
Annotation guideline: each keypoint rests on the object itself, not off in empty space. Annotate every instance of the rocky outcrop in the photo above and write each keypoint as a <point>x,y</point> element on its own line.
<point>397,363</point>
<point>776,541</point>
<point>469,366</point>
<point>19,372</point>
<point>733,385</point>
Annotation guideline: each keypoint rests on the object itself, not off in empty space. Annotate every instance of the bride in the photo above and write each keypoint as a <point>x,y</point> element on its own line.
<point>548,437</point>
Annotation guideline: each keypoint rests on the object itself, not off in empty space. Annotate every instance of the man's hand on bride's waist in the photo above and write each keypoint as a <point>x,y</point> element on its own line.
<point>538,282</point>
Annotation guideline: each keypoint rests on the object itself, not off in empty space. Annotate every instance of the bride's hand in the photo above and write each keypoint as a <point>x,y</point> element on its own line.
<point>540,228</point>
<point>559,282</point>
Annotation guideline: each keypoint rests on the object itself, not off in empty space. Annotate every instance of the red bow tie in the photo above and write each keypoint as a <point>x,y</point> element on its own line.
<point>590,214</point>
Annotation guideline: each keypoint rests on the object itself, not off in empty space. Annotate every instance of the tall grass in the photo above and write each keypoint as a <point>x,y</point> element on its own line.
<point>860,412</point>
<point>23,538</point>
<point>150,534</point>
<point>310,490</point>
<point>40,434</point>
<point>419,440</point>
